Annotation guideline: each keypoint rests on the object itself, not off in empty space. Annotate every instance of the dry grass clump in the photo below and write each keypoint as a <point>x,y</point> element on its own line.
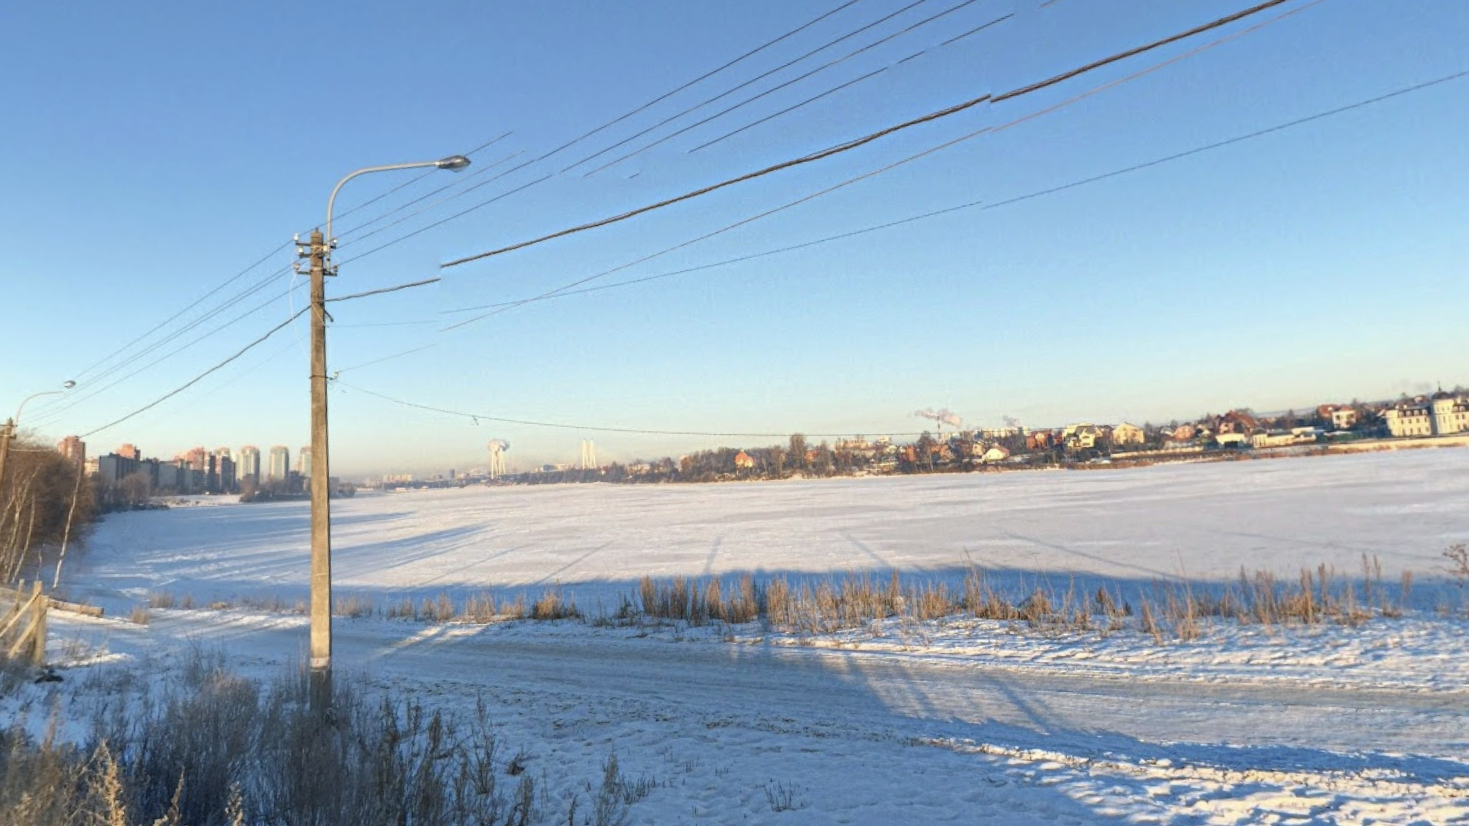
<point>1173,610</point>
<point>833,604</point>
<point>684,599</point>
<point>353,607</point>
<point>230,751</point>
<point>553,605</point>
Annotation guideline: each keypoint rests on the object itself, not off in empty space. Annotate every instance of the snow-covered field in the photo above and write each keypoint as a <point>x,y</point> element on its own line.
<point>962,721</point>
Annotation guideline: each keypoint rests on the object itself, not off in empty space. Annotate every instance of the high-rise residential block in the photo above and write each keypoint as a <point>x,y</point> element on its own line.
<point>73,449</point>
<point>280,463</point>
<point>249,465</point>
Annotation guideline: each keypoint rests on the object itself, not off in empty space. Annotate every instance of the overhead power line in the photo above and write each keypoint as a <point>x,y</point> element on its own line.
<point>381,290</point>
<point>237,276</point>
<point>415,179</point>
<point>701,104</point>
<point>888,167</point>
<point>492,141</point>
<point>751,53</point>
<point>336,373</point>
<point>435,205</point>
<point>483,417</point>
<point>797,79</point>
<point>848,84</point>
<point>568,145</point>
<point>87,377</point>
<point>52,413</point>
<point>242,351</point>
<point>869,138</point>
<point>977,203</point>
<point>503,306</point>
<point>191,382</point>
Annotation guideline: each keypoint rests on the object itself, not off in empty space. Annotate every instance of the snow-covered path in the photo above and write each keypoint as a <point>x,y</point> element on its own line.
<point>870,737</point>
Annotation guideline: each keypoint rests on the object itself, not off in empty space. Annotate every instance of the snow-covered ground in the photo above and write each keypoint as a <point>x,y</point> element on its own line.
<point>960,721</point>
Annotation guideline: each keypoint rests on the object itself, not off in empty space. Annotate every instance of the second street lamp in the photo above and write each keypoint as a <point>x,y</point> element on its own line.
<point>12,426</point>
<point>319,255</point>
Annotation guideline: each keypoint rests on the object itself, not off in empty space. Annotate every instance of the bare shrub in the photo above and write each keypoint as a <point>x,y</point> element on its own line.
<point>932,602</point>
<point>1148,623</point>
<point>354,607</point>
<point>554,606</point>
<point>139,615</point>
<point>982,600</point>
<point>1458,567</point>
<point>514,609</point>
<point>439,609</point>
<point>1036,609</point>
<point>778,602</point>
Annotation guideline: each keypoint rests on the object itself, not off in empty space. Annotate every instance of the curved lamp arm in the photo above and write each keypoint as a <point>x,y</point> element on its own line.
<point>453,163</point>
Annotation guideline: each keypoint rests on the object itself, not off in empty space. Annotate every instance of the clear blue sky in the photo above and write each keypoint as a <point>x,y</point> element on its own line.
<point>151,151</point>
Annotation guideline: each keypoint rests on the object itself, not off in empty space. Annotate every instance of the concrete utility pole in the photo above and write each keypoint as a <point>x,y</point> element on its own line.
<point>321,517</point>
<point>319,253</point>
<point>5,435</point>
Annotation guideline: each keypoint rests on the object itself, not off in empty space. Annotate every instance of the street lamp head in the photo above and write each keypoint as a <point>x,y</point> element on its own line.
<point>68,384</point>
<point>453,163</point>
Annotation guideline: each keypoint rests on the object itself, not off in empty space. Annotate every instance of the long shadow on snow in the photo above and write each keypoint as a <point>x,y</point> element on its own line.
<point>1000,724</point>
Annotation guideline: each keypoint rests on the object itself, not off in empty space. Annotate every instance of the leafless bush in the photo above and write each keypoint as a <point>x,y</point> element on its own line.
<point>354,607</point>
<point>1458,568</point>
<point>440,609</point>
<point>553,605</point>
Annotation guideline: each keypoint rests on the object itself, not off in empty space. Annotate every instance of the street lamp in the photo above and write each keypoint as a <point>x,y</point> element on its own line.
<point>319,255</point>
<point>8,430</point>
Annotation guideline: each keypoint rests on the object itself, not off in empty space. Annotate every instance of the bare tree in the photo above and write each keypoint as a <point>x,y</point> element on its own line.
<point>798,451</point>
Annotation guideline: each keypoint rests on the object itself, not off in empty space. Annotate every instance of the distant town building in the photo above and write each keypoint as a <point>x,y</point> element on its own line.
<point>1343,418</point>
<point>1128,434</point>
<point>225,472</point>
<point>996,433</point>
<point>995,454</point>
<point>1450,414</point>
<point>73,449</point>
<point>249,464</point>
<point>114,467</point>
<point>1231,439</point>
<point>280,463</point>
<point>303,462</point>
<point>197,459</point>
<point>1442,415</point>
<point>744,460</point>
<point>1081,436</point>
<point>129,451</point>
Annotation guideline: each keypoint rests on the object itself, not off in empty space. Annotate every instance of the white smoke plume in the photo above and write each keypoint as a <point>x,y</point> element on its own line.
<point>942,416</point>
